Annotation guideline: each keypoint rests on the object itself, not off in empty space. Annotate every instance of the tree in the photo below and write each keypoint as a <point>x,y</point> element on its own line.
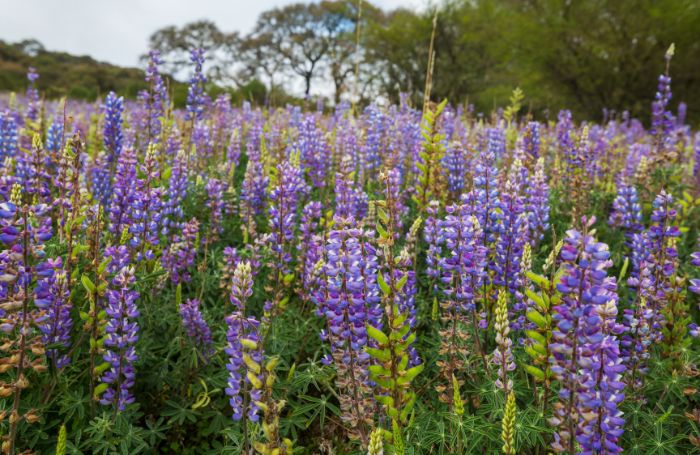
<point>346,43</point>
<point>297,33</point>
<point>260,58</point>
<point>176,43</point>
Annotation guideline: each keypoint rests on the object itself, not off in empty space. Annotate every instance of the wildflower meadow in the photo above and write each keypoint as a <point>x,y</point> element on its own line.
<point>350,279</point>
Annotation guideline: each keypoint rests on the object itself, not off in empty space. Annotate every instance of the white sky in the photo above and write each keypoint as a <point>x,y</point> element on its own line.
<point>118,31</point>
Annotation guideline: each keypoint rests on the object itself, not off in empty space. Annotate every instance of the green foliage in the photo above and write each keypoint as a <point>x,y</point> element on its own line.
<point>429,178</point>
<point>585,56</point>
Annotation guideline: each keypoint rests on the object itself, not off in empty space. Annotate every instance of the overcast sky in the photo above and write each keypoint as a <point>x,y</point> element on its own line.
<point>118,31</point>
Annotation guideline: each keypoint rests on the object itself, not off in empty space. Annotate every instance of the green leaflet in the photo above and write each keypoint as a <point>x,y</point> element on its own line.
<point>535,372</point>
<point>536,336</point>
<point>87,284</point>
<point>379,354</point>
<point>537,319</point>
<point>536,298</point>
<point>410,374</point>
<point>382,284</point>
<point>377,335</point>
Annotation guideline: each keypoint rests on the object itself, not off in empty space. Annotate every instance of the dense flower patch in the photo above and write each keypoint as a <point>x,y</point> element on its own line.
<point>226,279</point>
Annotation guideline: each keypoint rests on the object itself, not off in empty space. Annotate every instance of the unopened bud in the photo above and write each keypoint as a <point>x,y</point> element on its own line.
<point>22,382</point>
<point>31,417</point>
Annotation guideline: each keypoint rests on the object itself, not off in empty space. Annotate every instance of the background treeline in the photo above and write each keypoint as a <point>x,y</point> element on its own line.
<point>587,56</point>
<point>82,77</point>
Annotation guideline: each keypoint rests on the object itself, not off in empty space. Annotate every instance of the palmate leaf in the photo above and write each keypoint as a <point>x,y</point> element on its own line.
<point>316,407</point>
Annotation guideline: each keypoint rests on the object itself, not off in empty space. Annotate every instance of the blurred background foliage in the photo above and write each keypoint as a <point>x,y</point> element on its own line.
<point>595,57</point>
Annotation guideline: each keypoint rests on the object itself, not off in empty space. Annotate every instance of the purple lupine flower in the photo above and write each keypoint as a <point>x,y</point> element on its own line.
<point>512,237</point>
<point>215,204</point>
<point>54,143</point>
<point>196,327</point>
<point>638,337</point>
<point>463,268</point>
<point>393,186</point>
<point>349,199</point>
<point>487,192</point>
<point>221,124</point>
<point>32,95</point>
<point>346,141</point>
<point>314,152</point>
<point>120,340</point>
<point>173,144</point>
<point>124,193</point>
<point>100,183</point>
<point>309,246</point>
<point>639,318</point>
<point>346,313</point>
<point>695,260</point>
<point>195,90</point>
<point>662,120</point>
<point>662,262</point>
<point>496,142</point>
<point>313,277</point>
<point>156,99</point>
<point>432,234</point>
<point>373,147</point>
<point>456,163</point>
<point>531,141</point>
<point>231,260</point>
<point>146,212</point>
<point>119,256</point>
<point>564,129</point>
<point>241,330</point>
<point>173,213</point>
<point>626,211</point>
<point>8,136</point>
<point>52,295</point>
<point>369,272</point>
<point>180,255</point>
<point>32,172</point>
<point>345,306</point>
<point>203,141</point>
<point>241,285</point>
<point>112,133</point>
<point>578,160</point>
<point>582,343</point>
<point>253,194</point>
<point>600,377</point>
<point>233,151</point>
<point>537,204</point>
<point>284,199</point>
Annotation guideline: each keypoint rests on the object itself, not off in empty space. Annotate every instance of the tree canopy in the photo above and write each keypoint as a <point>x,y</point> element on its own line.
<point>596,57</point>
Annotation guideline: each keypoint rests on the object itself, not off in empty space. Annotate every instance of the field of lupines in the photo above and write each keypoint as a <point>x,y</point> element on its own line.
<point>229,279</point>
